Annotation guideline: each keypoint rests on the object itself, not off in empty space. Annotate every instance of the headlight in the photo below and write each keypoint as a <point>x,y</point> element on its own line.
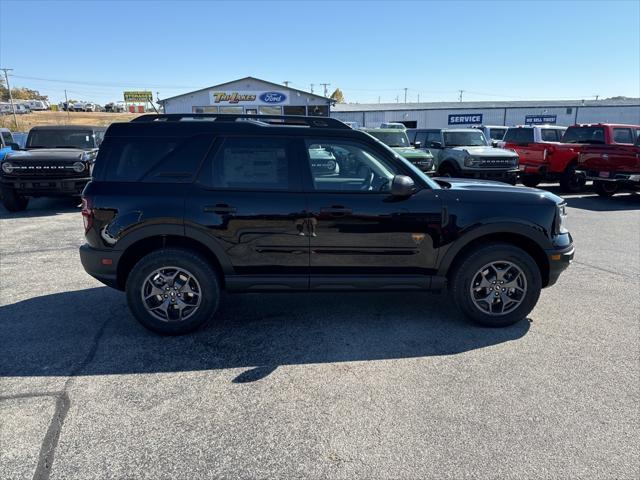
<point>7,167</point>
<point>79,167</point>
<point>469,161</point>
<point>561,219</point>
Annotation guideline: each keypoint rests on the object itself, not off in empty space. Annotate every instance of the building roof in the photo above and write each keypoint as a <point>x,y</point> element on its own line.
<point>367,107</point>
<point>275,85</point>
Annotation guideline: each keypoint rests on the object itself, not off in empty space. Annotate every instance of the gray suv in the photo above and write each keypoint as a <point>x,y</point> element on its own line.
<point>465,152</point>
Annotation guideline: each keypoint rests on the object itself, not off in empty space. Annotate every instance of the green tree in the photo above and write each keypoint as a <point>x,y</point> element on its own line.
<point>337,96</point>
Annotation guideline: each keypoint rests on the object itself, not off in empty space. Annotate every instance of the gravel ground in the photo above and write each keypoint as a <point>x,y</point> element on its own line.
<point>304,386</point>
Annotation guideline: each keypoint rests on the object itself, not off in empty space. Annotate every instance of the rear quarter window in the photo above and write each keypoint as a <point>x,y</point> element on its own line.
<point>550,135</point>
<point>622,135</point>
<point>152,160</point>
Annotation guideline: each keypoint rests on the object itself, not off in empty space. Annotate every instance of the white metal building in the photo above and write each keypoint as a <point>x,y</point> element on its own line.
<point>249,95</point>
<point>449,114</point>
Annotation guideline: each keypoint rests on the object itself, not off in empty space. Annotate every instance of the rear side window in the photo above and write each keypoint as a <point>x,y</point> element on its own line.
<point>497,133</point>
<point>622,135</point>
<point>549,135</point>
<point>519,135</point>
<point>154,160</point>
<point>252,164</point>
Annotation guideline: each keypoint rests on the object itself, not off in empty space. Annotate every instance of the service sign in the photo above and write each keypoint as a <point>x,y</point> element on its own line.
<point>540,119</point>
<point>138,96</point>
<point>239,98</point>
<point>465,119</point>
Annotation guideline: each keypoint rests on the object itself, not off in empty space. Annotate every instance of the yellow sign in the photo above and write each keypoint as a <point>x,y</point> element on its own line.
<point>138,96</point>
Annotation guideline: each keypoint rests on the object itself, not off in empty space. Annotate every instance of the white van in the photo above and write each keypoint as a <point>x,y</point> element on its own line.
<point>37,104</point>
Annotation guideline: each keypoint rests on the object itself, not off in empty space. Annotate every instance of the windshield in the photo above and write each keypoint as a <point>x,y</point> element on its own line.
<point>57,138</point>
<point>584,135</point>
<point>465,139</point>
<point>393,139</point>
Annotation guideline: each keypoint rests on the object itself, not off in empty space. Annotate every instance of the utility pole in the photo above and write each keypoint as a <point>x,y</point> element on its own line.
<point>312,85</point>
<point>13,107</point>
<point>286,83</point>
<point>325,85</point>
<point>378,98</point>
<point>460,97</point>
<point>66,99</point>
<point>405,94</point>
<point>418,98</point>
<point>597,97</point>
<point>397,99</point>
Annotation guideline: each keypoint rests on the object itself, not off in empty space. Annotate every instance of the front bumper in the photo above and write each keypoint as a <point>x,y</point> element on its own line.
<point>486,174</point>
<point>559,260</point>
<point>608,176</point>
<point>38,186</point>
<point>101,264</point>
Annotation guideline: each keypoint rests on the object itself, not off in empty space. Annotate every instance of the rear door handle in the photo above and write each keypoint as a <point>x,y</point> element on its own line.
<point>336,211</point>
<point>220,208</point>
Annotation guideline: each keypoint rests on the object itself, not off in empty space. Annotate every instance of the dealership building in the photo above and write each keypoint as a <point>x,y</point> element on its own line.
<point>249,95</point>
<point>460,114</point>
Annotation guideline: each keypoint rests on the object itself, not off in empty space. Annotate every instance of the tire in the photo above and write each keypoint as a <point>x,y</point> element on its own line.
<point>448,170</point>
<point>605,189</point>
<point>171,261</point>
<point>13,201</point>
<point>570,182</point>
<point>469,269</point>
<point>531,180</point>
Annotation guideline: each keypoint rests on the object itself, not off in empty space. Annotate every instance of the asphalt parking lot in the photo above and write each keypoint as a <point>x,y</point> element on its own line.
<point>319,385</point>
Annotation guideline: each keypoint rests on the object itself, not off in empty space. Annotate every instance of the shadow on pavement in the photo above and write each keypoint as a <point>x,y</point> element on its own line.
<point>44,207</point>
<point>588,200</point>
<point>53,334</point>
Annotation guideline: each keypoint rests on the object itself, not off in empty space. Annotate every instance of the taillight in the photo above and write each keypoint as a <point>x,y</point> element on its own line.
<point>87,213</point>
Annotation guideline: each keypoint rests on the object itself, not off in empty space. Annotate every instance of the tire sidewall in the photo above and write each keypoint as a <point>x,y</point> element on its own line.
<point>195,264</point>
<point>470,266</point>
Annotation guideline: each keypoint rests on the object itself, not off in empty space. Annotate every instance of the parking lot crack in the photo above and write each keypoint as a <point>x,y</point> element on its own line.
<point>612,272</point>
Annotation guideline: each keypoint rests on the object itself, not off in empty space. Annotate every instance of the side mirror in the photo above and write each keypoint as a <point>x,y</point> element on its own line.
<point>436,145</point>
<point>417,144</point>
<point>494,143</point>
<point>402,186</point>
<point>13,146</point>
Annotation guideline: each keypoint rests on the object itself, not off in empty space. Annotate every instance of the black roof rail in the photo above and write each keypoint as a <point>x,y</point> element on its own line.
<point>263,120</point>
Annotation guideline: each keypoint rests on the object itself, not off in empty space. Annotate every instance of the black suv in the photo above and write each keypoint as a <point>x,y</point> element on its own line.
<point>57,161</point>
<point>183,206</point>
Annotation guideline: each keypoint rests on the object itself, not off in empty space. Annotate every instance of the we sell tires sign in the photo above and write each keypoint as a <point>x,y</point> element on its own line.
<point>465,119</point>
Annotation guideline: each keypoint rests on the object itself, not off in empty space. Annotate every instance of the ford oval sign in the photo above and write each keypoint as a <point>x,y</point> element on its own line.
<point>273,97</point>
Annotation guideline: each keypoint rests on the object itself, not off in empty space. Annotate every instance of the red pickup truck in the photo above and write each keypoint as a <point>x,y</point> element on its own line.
<point>614,164</point>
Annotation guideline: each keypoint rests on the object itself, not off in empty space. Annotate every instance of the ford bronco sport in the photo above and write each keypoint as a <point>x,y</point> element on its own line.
<point>57,161</point>
<point>181,207</point>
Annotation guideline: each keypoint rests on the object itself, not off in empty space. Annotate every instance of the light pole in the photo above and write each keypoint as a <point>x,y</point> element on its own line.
<point>13,107</point>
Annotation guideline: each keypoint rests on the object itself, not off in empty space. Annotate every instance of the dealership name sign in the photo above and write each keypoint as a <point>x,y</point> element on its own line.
<point>465,119</point>
<point>232,98</point>
<point>138,96</point>
<point>540,119</point>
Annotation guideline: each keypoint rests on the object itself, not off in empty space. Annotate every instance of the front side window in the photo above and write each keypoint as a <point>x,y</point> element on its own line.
<point>549,135</point>
<point>348,167</point>
<point>520,136</point>
<point>622,135</point>
<point>252,164</point>
<point>465,139</point>
<point>7,138</point>
<point>433,137</point>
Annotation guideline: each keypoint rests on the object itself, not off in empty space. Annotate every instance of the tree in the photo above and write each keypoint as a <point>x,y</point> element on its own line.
<point>19,93</point>
<point>337,96</point>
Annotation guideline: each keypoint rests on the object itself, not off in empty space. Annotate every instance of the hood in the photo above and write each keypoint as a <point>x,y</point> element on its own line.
<point>410,152</point>
<point>486,151</point>
<point>495,187</point>
<point>48,154</point>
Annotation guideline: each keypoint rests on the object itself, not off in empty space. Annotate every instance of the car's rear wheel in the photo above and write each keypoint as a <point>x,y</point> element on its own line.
<point>496,285</point>
<point>572,182</point>
<point>173,291</point>
<point>605,189</point>
<point>530,180</point>
<point>13,201</point>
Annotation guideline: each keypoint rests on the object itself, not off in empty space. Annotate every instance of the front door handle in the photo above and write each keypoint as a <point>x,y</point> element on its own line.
<point>220,208</point>
<point>336,211</point>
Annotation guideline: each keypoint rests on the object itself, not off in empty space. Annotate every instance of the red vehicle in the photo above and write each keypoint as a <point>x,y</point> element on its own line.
<point>543,157</point>
<point>615,164</point>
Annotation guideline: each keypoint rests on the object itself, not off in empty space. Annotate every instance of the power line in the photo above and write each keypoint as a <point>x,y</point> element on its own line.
<point>325,85</point>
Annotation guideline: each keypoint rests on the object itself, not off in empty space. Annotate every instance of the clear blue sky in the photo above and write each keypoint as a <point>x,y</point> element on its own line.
<point>509,50</point>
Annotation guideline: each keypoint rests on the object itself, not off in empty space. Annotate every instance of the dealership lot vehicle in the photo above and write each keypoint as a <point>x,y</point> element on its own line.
<point>493,133</point>
<point>7,142</point>
<point>464,152</point>
<point>57,161</point>
<point>613,167</point>
<point>398,140</point>
<point>177,209</point>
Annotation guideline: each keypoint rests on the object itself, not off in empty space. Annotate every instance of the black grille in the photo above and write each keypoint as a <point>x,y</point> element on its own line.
<point>49,170</point>
<point>497,162</point>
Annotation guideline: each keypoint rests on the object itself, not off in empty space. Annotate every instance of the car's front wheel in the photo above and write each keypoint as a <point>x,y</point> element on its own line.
<point>173,291</point>
<point>530,180</point>
<point>496,285</point>
<point>12,201</point>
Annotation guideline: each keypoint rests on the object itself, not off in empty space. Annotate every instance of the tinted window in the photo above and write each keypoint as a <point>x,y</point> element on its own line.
<point>622,135</point>
<point>153,159</point>
<point>7,138</point>
<point>348,167</point>
<point>422,138</point>
<point>433,137</point>
<point>584,135</point>
<point>252,163</point>
<point>519,135</point>
<point>497,133</point>
<point>549,135</point>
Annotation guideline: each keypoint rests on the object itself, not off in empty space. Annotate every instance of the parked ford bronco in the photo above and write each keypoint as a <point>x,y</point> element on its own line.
<point>57,161</point>
<point>183,206</point>
<point>398,140</point>
<point>465,152</point>
<point>615,165</point>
